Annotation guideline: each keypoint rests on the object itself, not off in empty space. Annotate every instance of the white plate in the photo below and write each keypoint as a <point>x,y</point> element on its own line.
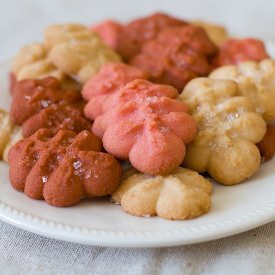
<point>96,222</point>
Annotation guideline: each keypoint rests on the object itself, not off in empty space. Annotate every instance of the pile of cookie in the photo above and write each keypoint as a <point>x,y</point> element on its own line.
<point>146,112</point>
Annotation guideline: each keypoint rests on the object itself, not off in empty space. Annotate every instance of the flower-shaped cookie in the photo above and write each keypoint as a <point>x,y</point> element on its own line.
<point>109,31</point>
<point>267,144</point>
<point>176,56</point>
<point>109,80</point>
<point>42,103</point>
<point>228,126</point>
<point>147,124</point>
<point>9,134</point>
<point>256,81</point>
<point>31,63</point>
<point>63,33</point>
<point>136,33</point>
<point>77,51</point>
<point>5,130</point>
<point>62,169</point>
<point>216,33</point>
<point>234,51</point>
<point>28,55</point>
<point>183,194</point>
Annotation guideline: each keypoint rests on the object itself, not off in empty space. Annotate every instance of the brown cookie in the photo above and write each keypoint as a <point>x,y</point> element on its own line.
<point>44,104</point>
<point>62,168</point>
<point>137,32</point>
<point>176,56</point>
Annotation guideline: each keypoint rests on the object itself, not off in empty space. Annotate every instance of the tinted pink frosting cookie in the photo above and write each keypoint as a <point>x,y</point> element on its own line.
<point>109,31</point>
<point>109,80</point>
<point>145,123</point>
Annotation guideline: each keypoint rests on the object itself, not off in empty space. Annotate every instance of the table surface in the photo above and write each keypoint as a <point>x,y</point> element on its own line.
<point>21,252</point>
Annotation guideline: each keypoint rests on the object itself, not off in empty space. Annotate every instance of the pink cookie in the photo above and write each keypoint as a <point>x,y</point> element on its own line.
<point>147,124</point>
<point>234,51</point>
<point>109,80</point>
<point>109,32</point>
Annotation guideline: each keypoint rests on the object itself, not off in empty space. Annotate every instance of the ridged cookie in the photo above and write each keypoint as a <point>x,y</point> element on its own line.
<point>229,128</point>
<point>182,194</point>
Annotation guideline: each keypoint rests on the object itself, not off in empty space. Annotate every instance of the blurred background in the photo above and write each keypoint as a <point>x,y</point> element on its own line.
<point>22,21</point>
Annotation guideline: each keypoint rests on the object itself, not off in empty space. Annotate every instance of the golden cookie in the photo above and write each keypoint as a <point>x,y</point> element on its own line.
<point>31,62</point>
<point>77,51</point>
<point>40,69</point>
<point>217,33</point>
<point>28,55</point>
<point>5,129</point>
<point>229,128</point>
<point>9,134</point>
<point>183,194</point>
<point>64,33</point>
<point>256,81</point>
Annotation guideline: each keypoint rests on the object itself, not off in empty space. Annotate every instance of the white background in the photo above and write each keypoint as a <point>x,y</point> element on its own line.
<point>22,21</point>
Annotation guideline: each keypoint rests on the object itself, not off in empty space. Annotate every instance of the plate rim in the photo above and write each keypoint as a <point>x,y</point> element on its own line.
<point>135,239</point>
<point>131,238</point>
